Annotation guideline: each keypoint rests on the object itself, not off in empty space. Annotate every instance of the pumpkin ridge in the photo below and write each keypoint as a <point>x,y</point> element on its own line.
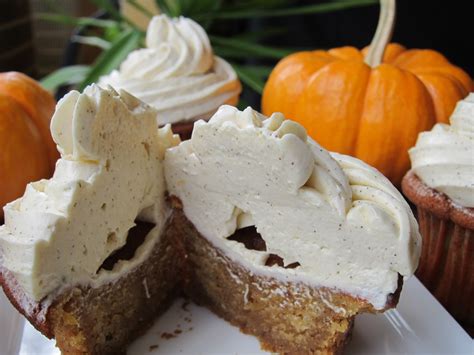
<point>355,141</point>
<point>445,92</point>
<point>38,104</point>
<point>329,114</point>
<point>390,121</point>
<point>23,156</point>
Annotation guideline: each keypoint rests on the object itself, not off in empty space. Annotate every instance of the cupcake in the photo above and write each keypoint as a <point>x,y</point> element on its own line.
<point>178,74</point>
<point>441,185</point>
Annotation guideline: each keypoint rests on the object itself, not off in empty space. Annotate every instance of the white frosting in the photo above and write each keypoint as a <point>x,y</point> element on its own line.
<point>110,171</point>
<point>177,73</point>
<point>342,220</point>
<point>443,158</point>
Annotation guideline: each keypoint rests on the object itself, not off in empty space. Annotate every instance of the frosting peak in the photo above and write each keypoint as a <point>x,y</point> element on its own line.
<point>177,73</point>
<point>110,172</point>
<point>341,220</point>
<point>443,158</point>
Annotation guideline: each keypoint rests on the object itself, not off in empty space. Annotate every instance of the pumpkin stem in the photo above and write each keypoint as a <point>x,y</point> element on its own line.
<point>383,34</point>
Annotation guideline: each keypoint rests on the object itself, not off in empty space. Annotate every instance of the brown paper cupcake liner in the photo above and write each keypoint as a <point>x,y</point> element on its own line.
<point>446,265</point>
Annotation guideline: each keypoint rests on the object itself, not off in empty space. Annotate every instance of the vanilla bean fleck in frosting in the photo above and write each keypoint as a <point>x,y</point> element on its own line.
<point>340,219</point>
<point>443,158</point>
<point>177,73</point>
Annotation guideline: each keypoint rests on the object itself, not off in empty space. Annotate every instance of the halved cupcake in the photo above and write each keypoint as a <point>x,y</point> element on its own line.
<point>85,255</point>
<point>178,74</point>
<point>441,185</point>
<point>282,238</point>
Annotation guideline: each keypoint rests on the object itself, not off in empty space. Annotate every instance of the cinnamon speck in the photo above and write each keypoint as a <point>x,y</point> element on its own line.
<point>167,336</point>
<point>153,347</point>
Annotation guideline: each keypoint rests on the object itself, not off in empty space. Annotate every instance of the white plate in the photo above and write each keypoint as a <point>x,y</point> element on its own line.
<point>419,325</point>
<point>11,327</point>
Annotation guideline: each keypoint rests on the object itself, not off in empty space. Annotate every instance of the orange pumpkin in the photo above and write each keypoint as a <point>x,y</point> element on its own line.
<point>371,103</point>
<point>27,151</point>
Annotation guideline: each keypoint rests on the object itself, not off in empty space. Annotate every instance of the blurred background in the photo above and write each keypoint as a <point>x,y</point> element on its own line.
<point>38,47</point>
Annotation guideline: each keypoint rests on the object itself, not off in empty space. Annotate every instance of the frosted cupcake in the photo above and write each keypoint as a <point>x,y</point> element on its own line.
<point>441,185</point>
<point>178,74</point>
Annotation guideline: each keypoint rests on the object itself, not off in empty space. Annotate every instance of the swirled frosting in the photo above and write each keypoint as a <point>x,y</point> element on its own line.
<point>177,73</point>
<point>443,158</point>
<point>110,172</point>
<point>341,220</point>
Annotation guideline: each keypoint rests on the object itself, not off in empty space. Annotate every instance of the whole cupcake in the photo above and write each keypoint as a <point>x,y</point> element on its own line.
<point>441,185</point>
<point>178,74</point>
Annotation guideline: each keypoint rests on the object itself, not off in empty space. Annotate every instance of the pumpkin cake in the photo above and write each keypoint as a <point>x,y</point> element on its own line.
<point>262,225</point>
<point>440,184</point>
<point>177,74</point>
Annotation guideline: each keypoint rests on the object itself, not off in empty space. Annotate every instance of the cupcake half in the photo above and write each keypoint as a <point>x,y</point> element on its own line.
<point>177,74</point>
<point>441,185</point>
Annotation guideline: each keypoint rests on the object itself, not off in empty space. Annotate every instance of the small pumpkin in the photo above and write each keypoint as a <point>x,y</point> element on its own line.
<point>371,103</point>
<point>27,151</point>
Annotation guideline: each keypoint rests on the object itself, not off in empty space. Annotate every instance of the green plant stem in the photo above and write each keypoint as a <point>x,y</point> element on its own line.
<point>77,21</point>
<point>140,8</point>
<point>249,79</point>
<point>71,75</point>
<point>302,10</point>
<point>250,48</point>
<point>110,59</point>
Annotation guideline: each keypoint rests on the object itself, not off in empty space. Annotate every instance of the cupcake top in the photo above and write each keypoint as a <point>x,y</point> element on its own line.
<point>340,221</point>
<point>177,73</point>
<point>443,158</point>
<point>109,174</point>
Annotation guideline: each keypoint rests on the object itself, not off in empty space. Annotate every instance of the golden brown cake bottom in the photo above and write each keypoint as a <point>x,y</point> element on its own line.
<point>447,257</point>
<point>86,320</point>
<point>286,317</point>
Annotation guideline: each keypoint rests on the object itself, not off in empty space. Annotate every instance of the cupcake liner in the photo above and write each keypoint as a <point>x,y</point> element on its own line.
<point>446,264</point>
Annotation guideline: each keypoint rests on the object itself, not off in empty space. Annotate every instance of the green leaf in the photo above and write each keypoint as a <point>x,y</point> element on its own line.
<point>65,76</point>
<point>91,41</point>
<point>250,49</point>
<point>111,58</point>
<point>249,78</point>
<point>261,71</point>
<point>170,7</point>
<point>292,11</point>
<point>255,4</point>
<point>140,8</point>
<point>109,7</point>
<point>112,33</point>
<point>77,21</point>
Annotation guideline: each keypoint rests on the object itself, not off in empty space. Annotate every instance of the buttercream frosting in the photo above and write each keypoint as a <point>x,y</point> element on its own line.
<point>177,73</point>
<point>110,173</point>
<point>443,158</point>
<point>341,220</point>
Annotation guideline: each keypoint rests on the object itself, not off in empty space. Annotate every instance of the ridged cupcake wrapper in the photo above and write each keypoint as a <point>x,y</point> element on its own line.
<point>447,265</point>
